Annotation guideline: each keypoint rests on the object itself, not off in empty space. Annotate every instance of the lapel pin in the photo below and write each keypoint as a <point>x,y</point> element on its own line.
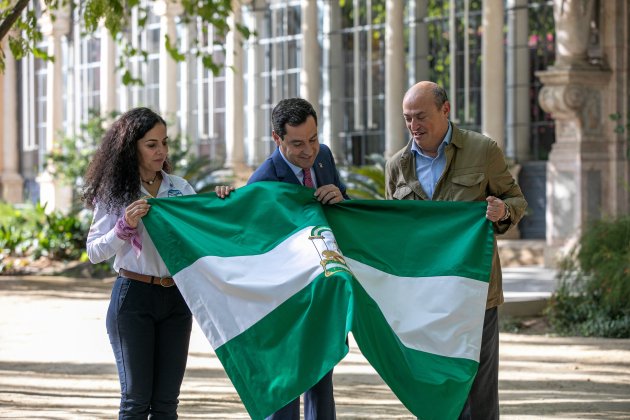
<point>320,165</point>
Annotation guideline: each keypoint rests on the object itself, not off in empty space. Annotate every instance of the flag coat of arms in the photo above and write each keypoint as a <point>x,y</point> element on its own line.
<point>276,282</point>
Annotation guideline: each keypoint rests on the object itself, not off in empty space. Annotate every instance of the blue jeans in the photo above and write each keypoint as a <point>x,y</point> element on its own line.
<point>483,399</point>
<point>149,328</point>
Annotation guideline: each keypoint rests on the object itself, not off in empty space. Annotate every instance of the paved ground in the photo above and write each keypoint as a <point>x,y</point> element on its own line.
<point>56,363</point>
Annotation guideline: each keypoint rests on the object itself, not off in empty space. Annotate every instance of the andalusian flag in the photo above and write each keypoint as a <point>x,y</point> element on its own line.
<point>276,281</point>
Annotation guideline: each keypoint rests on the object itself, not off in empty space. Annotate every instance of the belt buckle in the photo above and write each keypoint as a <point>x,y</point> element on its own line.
<point>167,282</point>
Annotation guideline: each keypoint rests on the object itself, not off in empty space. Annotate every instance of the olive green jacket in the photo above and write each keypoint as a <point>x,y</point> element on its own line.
<point>475,169</point>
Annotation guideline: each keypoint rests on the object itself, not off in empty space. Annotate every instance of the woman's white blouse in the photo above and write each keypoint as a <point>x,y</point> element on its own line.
<point>102,242</point>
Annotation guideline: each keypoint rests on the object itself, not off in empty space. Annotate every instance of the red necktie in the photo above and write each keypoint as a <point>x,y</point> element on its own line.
<point>308,179</point>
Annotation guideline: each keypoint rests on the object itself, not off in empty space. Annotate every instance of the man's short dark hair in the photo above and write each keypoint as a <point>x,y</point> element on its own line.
<point>439,93</point>
<point>292,111</point>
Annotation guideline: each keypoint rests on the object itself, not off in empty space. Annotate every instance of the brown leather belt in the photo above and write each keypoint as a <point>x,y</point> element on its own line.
<point>145,278</point>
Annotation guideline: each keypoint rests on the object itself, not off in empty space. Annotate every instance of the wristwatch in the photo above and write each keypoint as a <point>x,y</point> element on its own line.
<point>507,214</point>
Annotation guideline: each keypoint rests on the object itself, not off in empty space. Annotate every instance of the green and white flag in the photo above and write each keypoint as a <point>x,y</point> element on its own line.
<point>276,281</point>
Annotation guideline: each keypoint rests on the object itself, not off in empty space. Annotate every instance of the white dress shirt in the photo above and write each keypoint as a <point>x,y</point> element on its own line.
<point>429,169</point>
<point>102,242</point>
<point>299,171</point>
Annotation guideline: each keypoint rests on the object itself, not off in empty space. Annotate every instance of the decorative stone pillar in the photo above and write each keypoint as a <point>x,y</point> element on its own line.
<point>53,193</point>
<point>333,78</point>
<point>11,182</point>
<point>167,10</point>
<point>578,164</point>
<point>395,137</point>
<point>493,72</point>
<point>309,74</point>
<point>234,102</point>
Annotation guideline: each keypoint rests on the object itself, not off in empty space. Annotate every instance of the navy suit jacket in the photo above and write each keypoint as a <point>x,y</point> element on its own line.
<point>274,168</point>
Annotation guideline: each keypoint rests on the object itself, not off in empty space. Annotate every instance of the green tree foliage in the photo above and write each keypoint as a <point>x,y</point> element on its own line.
<point>593,297</point>
<point>72,154</point>
<point>23,15</point>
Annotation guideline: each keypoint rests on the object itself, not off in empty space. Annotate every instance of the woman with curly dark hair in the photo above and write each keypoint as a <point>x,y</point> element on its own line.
<point>148,321</point>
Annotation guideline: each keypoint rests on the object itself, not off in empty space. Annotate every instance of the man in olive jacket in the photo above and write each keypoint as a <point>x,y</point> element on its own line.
<point>443,162</point>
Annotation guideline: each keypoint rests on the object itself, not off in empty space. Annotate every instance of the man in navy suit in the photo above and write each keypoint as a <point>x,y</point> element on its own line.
<point>294,124</point>
<point>300,159</point>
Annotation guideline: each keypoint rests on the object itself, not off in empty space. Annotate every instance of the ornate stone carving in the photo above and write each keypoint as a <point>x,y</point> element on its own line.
<point>571,102</point>
<point>574,94</point>
<point>562,100</point>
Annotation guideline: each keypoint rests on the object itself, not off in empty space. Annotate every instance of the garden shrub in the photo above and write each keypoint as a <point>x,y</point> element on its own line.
<point>28,231</point>
<point>365,182</point>
<point>593,295</point>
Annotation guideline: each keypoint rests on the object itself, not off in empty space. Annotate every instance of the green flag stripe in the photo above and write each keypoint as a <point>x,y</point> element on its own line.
<point>438,386</point>
<point>306,331</point>
<point>238,225</point>
<point>436,248</point>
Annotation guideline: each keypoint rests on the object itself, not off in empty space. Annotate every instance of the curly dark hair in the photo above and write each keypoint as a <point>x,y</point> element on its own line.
<point>292,111</point>
<point>113,176</point>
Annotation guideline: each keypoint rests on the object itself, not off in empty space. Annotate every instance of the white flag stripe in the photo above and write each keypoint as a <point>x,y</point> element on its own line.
<point>237,292</point>
<point>432,314</point>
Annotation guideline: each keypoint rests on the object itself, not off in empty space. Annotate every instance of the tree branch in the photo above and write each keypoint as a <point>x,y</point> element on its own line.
<point>7,23</point>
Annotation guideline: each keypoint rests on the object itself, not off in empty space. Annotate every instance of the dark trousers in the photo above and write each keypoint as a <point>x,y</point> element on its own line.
<point>149,328</point>
<point>319,403</point>
<point>483,399</point>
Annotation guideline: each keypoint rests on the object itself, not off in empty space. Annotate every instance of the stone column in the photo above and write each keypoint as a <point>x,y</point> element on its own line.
<point>578,165</point>
<point>493,72</point>
<point>333,79</point>
<point>309,74</point>
<point>419,42</point>
<point>234,102</point>
<point>11,182</point>
<point>167,10</point>
<point>185,118</point>
<point>53,193</point>
<point>255,92</point>
<point>395,77</point>
<point>108,73</point>
<point>518,100</point>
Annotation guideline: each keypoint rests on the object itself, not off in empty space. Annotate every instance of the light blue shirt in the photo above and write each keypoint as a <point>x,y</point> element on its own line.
<point>298,171</point>
<point>429,169</point>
